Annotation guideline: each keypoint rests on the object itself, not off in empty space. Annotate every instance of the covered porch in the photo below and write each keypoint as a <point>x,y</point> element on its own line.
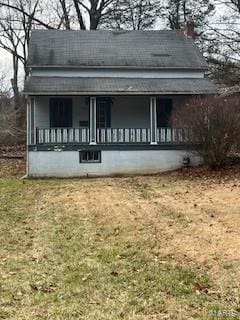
<point>104,120</point>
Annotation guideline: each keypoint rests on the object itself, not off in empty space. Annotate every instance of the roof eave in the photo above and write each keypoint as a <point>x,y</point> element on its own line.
<point>117,93</point>
<point>202,68</point>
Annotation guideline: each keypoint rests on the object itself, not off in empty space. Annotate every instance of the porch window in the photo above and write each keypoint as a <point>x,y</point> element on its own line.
<point>164,111</point>
<point>103,113</point>
<point>60,112</point>
<point>90,156</point>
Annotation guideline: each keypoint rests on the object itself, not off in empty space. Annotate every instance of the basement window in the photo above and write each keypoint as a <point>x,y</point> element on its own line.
<point>90,156</point>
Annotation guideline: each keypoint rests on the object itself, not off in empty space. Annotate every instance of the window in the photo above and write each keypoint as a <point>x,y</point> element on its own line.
<point>90,156</point>
<point>164,111</point>
<point>60,112</point>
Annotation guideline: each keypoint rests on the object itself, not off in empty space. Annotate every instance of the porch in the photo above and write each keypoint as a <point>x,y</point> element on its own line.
<point>104,120</point>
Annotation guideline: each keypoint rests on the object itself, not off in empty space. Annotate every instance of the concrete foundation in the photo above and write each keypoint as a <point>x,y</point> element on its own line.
<point>67,163</point>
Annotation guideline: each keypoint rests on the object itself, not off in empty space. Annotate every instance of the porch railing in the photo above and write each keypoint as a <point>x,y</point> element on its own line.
<point>173,135</point>
<point>62,135</point>
<point>111,135</point>
<point>126,135</point>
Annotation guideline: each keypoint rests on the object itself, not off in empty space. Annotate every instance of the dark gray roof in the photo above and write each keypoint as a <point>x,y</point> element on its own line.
<point>139,49</point>
<point>108,86</point>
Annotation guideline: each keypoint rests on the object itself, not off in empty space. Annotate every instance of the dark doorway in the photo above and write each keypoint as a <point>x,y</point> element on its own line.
<point>103,112</point>
<point>60,112</point>
<point>164,111</point>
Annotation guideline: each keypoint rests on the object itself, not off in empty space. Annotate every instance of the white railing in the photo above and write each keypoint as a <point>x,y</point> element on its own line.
<point>173,135</point>
<point>111,135</point>
<point>62,135</point>
<point>130,135</point>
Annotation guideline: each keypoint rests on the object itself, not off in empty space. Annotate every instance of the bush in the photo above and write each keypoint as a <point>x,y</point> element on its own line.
<point>214,123</point>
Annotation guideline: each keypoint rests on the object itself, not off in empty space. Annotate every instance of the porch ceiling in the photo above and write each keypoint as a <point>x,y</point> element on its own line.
<point>115,86</point>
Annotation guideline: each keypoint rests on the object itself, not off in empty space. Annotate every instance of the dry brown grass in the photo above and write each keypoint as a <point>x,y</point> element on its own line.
<point>199,222</point>
<point>123,248</point>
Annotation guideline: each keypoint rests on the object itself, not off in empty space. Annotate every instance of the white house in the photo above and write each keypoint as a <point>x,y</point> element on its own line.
<point>100,101</point>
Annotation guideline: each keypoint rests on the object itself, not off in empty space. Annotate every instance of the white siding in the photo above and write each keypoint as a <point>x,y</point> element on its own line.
<point>117,73</point>
<point>42,112</point>
<point>131,112</point>
<point>80,110</point>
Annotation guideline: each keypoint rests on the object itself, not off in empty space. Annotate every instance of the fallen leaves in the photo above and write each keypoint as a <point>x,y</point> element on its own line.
<point>14,151</point>
<point>94,302</point>
<point>45,288</point>
<point>86,277</point>
<point>200,289</point>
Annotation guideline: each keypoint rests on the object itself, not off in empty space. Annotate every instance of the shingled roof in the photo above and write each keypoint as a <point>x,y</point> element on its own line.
<point>118,86</point>
<point>131,49</point>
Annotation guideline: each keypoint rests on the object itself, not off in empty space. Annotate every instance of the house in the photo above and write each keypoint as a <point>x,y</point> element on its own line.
<point>99,102</point>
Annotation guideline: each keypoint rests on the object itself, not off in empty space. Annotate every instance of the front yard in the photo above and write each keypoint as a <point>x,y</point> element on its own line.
<point>156,247</point>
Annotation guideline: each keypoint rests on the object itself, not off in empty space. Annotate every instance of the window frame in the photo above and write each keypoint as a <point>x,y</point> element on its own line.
<point>87,152</point>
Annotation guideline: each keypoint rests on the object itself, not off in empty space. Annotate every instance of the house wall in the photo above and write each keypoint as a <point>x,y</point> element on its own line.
<point>130,112</point>
<point>117,73</point>
<point>67,164</point>
<point>126,112</point>
<point>42,120</point>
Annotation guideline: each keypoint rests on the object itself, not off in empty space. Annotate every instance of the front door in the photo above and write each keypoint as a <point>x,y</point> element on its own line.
<point>103,113</point>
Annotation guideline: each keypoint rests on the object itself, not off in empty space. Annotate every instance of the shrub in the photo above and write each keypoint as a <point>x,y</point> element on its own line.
<point>214,123</point>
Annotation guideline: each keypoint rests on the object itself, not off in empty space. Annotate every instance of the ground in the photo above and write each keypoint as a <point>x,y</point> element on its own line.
<point>153,247</point>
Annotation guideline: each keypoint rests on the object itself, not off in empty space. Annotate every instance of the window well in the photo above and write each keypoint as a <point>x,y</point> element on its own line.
<point>90,156</point>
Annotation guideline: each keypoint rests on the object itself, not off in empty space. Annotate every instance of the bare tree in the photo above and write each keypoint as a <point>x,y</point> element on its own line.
<point>15,28</point>
<point>79,14</point>
<point>8,131</point>
<point>221,42</point>
<point>132,14</point>
<point>64,16</point>
<point>178,12</point>
<point>226,30</point>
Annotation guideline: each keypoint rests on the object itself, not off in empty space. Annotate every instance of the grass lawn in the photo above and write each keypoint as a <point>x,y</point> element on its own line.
<point>155,247</point>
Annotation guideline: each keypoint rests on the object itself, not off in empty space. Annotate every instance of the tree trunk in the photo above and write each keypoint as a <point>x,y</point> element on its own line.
<point>16,95</point>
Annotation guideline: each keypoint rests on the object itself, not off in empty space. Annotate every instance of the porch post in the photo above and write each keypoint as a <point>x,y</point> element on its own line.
<point>31,132</point>
<point>153,120</point>
<point>33,120</point>
<point>28,121</point>
<point>93,120</point>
